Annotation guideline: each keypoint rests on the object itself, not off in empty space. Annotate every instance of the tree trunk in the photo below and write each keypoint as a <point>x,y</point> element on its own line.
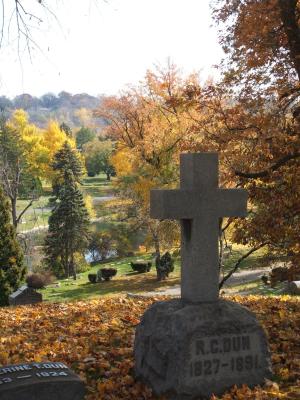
<point>288,9</point>
<point>73,266</point>
<point>157,254</point>
<point>66,262</point>
<point>14,211</point>
<point>107,176</point>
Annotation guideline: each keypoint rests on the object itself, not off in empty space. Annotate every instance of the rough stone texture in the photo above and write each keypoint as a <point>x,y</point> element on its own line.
<point>188,351</point>
<point>25,295</point>
<point>198,204</point>
<point>294,287</point>
<point>40,381</point>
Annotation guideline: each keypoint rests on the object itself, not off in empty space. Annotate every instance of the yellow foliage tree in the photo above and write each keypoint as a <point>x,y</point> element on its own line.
<point>53,139</point>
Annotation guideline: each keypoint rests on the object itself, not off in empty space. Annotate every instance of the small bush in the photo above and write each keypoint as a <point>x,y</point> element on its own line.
<point>141,266</point>
<point>164,266</point>
<point>92,278</point>
<point>108,273</point>
<point>36,281</point>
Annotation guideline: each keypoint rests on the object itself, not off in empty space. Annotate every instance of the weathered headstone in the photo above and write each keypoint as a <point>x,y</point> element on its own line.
<point>199,345</point>
<point>294,287</point>
<point>40,381</point>
<point>25,295</point>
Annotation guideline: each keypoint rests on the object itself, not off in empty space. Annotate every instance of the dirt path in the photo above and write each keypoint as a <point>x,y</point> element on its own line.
<point>243,276</point>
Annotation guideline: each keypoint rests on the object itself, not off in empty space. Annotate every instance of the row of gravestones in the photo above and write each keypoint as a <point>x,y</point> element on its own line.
<point>185,348</point>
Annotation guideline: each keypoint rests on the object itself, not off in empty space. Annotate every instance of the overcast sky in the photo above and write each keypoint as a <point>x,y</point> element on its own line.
<point>100,46</point>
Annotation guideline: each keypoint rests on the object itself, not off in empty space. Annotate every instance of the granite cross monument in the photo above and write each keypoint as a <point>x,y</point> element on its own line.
<point>199,204</point>
<point>199,345</point>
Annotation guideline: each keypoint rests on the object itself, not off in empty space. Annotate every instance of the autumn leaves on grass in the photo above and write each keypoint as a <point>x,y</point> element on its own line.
<point>95,338</point>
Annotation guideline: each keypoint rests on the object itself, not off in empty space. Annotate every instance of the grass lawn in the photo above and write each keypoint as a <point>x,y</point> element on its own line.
<point>38,214</point>
<point>128,281</point>
<point>97,186</point>
<point>125,281</point>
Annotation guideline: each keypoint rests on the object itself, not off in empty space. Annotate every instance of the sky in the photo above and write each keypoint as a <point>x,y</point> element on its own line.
<point>100,46</point>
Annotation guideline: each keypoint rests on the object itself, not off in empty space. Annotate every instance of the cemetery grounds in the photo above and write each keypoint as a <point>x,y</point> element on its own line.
<point>34,225</point>
<point>97,340</point>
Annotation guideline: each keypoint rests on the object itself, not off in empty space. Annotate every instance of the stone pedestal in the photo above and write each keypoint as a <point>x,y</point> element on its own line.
<point>188,351</point>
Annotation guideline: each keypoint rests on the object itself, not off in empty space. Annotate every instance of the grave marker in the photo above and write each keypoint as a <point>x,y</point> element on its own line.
<point>40,381</point>
<point>198,204</point>
<point>199,345</point>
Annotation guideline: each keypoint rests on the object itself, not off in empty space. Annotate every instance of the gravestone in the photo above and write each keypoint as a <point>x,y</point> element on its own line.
<point>198,345</point>
<point>294,287</point>
<point>25,295</point>
<point>40,381</point>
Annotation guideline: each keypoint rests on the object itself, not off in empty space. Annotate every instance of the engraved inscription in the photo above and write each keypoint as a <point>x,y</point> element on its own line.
<point>27,371</point>
<point>225,355</point>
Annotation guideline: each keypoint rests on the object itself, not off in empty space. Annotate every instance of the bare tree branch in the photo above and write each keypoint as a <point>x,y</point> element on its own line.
<point>237,264</point>
<point>272,168</point>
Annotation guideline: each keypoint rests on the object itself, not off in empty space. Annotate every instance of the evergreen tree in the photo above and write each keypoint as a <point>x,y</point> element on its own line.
<point>12,269</point>
<point>69,221</point>
<point>65,128</point>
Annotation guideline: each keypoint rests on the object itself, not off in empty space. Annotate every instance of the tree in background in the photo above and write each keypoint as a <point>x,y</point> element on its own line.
<point>25,156</point>
<point>149,124</point>
<point>255,117</point>
<point>12,270</point>
<point>83,136</point>
<point>68,232</point>
<point>65,128</point>
<point>15,169</point>
<point>97,156</point>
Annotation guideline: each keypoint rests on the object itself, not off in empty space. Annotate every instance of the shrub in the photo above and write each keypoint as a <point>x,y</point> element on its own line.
<point>92,278</point>
<point>141,266</point>
<point>36,281</point>
<point>108,273</point>
<point>164,265</point>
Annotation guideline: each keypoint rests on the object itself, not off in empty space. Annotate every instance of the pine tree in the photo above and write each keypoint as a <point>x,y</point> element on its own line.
<point>69,221</point>
<point>12,269</point>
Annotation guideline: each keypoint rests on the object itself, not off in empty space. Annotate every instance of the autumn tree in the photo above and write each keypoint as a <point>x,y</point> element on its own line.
<point>15,170</point>
<point>254,117</point>
<point>12,269</point>
<point>149,124</point>
<point>69,221</point>
<point>26,153</point>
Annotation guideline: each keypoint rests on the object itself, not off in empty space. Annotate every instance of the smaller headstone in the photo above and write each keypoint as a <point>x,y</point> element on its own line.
<point>25,295</point>
<point>40,381</point>
<point>294,287</point>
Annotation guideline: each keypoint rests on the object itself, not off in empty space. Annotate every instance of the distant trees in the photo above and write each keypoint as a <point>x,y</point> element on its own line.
<point>83,136</point>
<point>49,100</point>
<point>65,128</point>
<point>26,101</point>
<point>68,232</point>
<point>25,154</point>
<point>14,168</point>
<point>5,103</point>
<point>12,269</point>
<point>97,156</point>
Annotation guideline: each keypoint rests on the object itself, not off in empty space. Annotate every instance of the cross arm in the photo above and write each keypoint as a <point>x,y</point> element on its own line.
<point>232,202</point>
<point>171,204</point>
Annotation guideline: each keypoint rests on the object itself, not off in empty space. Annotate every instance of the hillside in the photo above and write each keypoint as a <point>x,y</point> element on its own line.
<point>74,110</point>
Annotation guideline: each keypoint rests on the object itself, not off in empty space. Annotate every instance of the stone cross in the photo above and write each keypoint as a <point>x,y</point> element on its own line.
<point>199,204</point>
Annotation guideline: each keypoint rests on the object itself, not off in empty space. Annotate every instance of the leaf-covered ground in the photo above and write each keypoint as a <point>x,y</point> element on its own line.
<point>95,338</point>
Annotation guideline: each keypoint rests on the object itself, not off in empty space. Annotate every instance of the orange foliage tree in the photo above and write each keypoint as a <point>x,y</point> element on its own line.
<point>149,123</point>
<point>255,116</point>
